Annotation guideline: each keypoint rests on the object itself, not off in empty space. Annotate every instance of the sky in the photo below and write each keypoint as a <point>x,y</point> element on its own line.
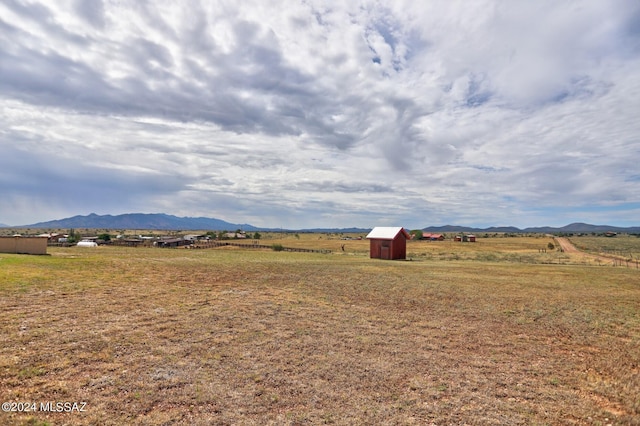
<point>304,113</point>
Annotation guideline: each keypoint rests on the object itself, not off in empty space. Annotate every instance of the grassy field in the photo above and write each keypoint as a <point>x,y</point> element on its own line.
<point>627,246</point>
<point>522,249</point>
<point>486,333</point>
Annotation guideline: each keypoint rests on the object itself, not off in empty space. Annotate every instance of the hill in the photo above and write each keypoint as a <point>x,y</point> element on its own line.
<point>586,228</point>
<point>454,228</point>
<point>571,228</point>
<point>161,221</point>
<point>157,221</point>
<point>337,230</point>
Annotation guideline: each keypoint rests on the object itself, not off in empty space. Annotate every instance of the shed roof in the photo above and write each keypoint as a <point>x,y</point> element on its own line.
<point>387,232</point>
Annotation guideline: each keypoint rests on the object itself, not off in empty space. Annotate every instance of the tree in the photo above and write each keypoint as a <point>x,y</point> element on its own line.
<point>74,236</point>
<point>256,236</point>
<point>417,234</point>
<point>104,237</point>
<point>550,246</point>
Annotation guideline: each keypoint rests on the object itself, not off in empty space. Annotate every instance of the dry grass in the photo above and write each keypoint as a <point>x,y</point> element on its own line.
<point>521,249</point>
<point>231,336</point>
<point>627,246</point>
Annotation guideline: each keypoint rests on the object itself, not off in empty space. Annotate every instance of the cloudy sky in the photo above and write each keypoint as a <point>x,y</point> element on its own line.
<point>306,113</point>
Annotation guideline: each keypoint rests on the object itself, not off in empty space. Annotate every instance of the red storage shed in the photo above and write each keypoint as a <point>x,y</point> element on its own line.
<point>388,243</point>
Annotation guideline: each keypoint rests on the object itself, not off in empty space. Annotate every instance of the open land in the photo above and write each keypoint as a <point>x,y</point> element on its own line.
<point>493,332</point>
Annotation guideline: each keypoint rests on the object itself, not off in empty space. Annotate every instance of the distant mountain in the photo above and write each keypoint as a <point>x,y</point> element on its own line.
<point>584,228</point>
<point>453,228</point>
<point>337,230</point>
<point>2,225</point>
<point>157,221</point>
<point>448,228</point>
<point>161,221</point>
<point>571,228</point>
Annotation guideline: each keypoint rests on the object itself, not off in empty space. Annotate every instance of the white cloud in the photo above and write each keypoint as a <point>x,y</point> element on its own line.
<point>318,113</point>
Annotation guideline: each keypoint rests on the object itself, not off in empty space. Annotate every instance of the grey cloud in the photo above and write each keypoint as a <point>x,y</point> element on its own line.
<point>38,174</point>
<point>92,11</point>
<point>145,52</point>
<point>284,100</point>
<point>52,79</point>
<point>44,18</point>
<point>340,187</point>
<point>31,11</point>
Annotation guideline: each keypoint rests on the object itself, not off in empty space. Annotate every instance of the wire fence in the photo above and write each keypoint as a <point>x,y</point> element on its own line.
<point>255,245</point>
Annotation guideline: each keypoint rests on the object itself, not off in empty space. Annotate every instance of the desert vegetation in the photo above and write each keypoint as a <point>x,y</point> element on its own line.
<point>493,332</point>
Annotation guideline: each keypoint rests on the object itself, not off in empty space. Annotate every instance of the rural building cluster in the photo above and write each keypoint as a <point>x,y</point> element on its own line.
<point>389,243</point>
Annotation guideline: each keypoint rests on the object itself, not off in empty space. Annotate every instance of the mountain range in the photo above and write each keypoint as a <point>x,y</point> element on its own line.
<point>161,221</point>
<point>156,221</point>
<point>571,228</point>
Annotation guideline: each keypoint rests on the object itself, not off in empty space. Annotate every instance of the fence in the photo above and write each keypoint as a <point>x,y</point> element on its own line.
<point>254,245</point>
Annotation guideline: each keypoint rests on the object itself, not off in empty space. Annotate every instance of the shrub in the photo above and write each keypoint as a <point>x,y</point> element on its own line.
<point>277,247</point>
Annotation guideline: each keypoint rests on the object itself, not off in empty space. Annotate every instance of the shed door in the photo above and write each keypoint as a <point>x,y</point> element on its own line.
<point>385,251</point>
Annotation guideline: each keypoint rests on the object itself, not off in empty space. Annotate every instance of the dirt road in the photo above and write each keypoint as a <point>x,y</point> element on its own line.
<point>566,245</point>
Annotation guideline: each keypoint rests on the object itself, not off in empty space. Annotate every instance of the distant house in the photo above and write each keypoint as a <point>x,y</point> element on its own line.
<point>235,235</point>
<point>172,242</point>
<point>194,237</point>
<point>433,237</point>
<point>131,242</point>
<point>388,243</point>
<point>55,237</point>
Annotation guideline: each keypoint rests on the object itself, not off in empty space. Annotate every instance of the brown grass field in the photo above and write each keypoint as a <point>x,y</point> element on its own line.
<point>491,333</point>
<point>623,246</point>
